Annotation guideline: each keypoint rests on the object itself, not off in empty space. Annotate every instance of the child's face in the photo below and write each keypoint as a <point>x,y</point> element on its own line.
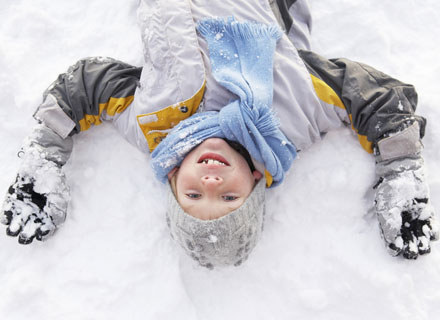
<point>213,180</point>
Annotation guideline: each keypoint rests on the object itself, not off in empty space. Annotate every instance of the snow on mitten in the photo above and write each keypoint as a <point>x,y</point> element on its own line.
<point>403,208</point>
<point>36,203</point>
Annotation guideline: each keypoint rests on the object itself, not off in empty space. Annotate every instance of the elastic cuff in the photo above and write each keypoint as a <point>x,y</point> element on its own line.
<point>51,114</point>
<point>404,143</point>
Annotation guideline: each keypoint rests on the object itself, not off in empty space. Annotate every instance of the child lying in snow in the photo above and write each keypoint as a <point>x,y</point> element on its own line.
<point>204,105</point>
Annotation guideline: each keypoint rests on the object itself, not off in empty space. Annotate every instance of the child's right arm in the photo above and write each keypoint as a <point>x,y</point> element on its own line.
<point>92,90</point>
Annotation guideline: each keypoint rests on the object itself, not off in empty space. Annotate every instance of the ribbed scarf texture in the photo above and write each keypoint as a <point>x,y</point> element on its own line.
<point>241,55</point>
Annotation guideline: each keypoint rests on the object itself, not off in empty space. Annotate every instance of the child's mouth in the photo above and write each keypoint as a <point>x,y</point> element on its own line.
<point>213,158</point>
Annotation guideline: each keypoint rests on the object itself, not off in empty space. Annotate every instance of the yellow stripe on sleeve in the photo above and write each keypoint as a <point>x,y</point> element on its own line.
<point>328,95</point>
<point>112,107</point>
<point>367,145</point>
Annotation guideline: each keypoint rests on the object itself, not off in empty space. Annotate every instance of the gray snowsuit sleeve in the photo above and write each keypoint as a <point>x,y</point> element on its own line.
<point>377,104</point>
<point>92,90</point>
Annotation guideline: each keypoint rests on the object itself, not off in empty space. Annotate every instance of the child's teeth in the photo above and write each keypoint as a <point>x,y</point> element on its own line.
<point>212,161</point>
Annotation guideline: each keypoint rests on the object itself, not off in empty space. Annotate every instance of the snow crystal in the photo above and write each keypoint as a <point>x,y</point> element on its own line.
<point>394,219</point>
<point>148,119</point>
<point>412,246</point>
<point>423,243</point>
<point>399,242</point>
<point>100,59</point>
<point>426,230</point>
<point>184,134</point>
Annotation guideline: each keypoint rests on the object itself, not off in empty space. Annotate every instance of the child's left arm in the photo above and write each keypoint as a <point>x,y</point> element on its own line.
<point>382,112</point>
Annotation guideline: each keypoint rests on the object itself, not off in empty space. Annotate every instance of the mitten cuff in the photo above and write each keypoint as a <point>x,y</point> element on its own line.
<point>401,144</point>
<point>49,144</point>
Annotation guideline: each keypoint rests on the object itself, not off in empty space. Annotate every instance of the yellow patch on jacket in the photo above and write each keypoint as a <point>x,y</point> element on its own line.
<point>155,125</point>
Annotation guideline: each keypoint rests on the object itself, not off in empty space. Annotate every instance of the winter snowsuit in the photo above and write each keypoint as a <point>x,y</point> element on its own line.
<point>312,94</point>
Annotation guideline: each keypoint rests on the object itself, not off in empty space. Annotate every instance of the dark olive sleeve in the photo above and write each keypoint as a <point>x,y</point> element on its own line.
<point>377,104</point>
<point>92,90</point>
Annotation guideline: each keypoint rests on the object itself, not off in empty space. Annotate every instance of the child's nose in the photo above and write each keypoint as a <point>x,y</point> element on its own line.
<point>211,180</point>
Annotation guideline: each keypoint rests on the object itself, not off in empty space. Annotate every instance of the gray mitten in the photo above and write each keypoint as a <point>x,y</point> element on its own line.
<point>36,203</point>
<point>405,214</point>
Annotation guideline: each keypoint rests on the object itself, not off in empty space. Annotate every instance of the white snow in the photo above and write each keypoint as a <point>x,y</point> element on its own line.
<point>400,106</point>
<point>321,255</point>
<point>148,119</point>
<point>213,238</point>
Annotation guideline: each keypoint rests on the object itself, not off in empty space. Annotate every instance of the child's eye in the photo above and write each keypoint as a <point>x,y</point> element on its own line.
<point>230,198</point>
<point>193,195</point>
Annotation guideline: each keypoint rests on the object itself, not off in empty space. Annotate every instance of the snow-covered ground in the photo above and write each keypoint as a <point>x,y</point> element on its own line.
<point>321,256</point>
